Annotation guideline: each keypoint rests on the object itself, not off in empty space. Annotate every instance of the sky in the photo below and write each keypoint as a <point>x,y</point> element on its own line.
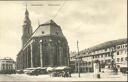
<point>91,22</point>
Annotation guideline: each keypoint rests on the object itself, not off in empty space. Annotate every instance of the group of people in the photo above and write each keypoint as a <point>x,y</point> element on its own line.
<point>61,74</point>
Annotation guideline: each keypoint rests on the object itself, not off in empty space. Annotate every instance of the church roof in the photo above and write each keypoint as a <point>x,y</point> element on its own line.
<point>26,12</point>
<point>48,28</point>
<point>49,22</point>
<point>108,44</point>
<point>104,45</point>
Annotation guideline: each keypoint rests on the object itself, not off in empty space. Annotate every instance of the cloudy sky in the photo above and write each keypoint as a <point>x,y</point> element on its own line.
<point>89,21</point>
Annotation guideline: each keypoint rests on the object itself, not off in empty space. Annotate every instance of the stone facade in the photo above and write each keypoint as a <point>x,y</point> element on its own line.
<point>47,47</point>
<point>27,28</point>
<point>7,64</point>
<point>121,57</point>
<point>108,53</point>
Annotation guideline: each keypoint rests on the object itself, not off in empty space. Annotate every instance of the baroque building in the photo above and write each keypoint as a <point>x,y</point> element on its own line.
<point>7,64</point>
<point>107,53</point>
<point>45,47</point>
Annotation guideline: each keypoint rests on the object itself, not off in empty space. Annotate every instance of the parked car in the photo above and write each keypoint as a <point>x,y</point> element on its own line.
<point>30,71</point>
<point>42,70</point>
<point>19,71</point>
<point>35,71</point>
<point>63,71</point>
<point>50,69</point>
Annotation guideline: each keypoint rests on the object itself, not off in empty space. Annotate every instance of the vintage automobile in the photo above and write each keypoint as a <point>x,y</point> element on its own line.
<point>110,70</point>
<point>29,71</point>
<point>63,71</point>
<point>35,71</point>
<point>42,70</point>
<point>50,69</point>
<point>19,71</point>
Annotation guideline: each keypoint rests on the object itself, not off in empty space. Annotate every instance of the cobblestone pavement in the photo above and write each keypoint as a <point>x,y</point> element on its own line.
<point>84,77</point>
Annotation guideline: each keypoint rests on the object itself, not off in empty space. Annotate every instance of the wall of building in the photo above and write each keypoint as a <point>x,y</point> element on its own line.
<point>120,56</point>
<point>42,31</point>
<point>56,30</point>
<point>107,55</point>
<point>54,49</point>
<point>7,64</point>
<point>45,48</point>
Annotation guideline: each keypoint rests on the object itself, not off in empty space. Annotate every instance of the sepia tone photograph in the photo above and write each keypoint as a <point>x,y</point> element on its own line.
<point>63,40</point>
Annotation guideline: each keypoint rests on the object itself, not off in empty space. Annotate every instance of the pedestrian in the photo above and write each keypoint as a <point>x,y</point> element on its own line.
<point>64,73</point>
<point>69,74</point>
<point>116,70</point>
<point>50,73</point>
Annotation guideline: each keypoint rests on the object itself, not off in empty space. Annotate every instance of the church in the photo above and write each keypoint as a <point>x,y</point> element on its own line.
<point>45,47</point>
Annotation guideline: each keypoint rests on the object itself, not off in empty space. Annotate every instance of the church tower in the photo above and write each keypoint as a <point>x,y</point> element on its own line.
<point>27,28</point>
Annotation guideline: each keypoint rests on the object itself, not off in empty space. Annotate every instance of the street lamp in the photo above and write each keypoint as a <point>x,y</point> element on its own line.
<point>111,54</point>
<point>78,59</point>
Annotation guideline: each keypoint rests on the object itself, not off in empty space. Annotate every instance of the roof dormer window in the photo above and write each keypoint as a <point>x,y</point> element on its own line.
<point>42,32</point>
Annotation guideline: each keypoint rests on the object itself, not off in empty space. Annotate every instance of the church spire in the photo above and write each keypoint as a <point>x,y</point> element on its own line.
<point>27,20</point>
<point>27,28</point>
<point>26,12</point>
